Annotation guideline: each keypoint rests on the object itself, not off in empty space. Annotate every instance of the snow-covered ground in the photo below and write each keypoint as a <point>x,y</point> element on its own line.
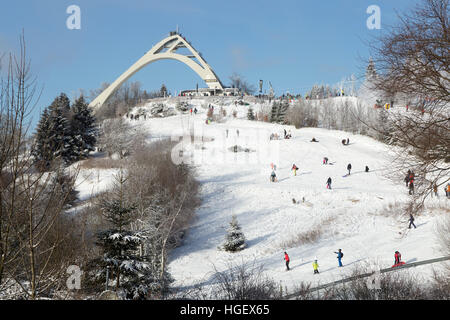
<point>360,215</point>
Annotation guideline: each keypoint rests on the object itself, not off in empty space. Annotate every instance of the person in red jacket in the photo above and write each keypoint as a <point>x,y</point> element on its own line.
<point>286,258</point>
<point>398,257</point>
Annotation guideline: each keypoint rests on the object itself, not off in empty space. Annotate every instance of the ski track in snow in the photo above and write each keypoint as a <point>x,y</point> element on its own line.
<point>267,215</point>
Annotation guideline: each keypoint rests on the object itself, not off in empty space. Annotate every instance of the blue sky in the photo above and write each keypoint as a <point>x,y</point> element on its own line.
<point>294,44</point>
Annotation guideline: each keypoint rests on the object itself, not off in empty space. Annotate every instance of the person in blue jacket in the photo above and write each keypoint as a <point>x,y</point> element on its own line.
<point>340,256</point>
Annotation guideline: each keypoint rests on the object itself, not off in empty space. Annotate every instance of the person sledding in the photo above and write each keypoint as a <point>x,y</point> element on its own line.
<point>294,168</point>
<point>329,183</point>
<point>398,259</point>
<point>314,140</point>
<point>273,176</point>
<point>286,258</point>
<point>340,255</point>
<point>325,160</point>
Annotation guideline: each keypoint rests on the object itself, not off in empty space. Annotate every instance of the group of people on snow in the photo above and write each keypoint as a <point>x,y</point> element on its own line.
<point>340,255</point>
<point>315,264</point>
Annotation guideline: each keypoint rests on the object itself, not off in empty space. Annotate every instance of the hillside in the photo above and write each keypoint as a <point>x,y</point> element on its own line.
<point>361,214</point>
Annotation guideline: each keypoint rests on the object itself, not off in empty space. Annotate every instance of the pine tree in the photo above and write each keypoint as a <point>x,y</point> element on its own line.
<point>83,129</point>
<point>120,247</point>
<point>42,149</point>
<point>279,110</point>
<point>234,240</point>
<point>64,133</point>
<point>61,139</point>
<point>250,114</point>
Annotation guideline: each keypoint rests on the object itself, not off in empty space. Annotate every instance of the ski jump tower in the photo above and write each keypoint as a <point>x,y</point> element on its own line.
<point>166,49</point>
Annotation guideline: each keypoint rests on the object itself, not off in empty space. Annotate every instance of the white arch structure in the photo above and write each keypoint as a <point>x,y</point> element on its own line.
<point>165,49</point>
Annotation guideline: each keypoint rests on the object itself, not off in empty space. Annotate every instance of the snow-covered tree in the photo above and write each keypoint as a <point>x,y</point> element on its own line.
<point>54,139</point>
<point>120,247</point>
<point>234,240</point>
<point>83,128</point>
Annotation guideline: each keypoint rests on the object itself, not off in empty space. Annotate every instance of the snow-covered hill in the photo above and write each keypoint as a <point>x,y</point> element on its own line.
<point>361,214</point>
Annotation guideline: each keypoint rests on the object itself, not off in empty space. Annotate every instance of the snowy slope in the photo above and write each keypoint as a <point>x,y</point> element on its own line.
<point>353,215</point>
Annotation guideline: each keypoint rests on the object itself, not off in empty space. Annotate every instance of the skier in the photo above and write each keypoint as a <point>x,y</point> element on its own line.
<point>237,132</point>
<point>367,169</point>
<point>447,190</point>
<point>294,168</point>
<point>349,168</point>
<point>315,266</point>
<point>195,110</point>
<point>273,176</point>
<point>190,111</point>
<point>286,258</point>
<point>285,133</point>
<point>329,183</point>
<point>397,257</point>
<point>325,160</point>
<point>339,257</point>
<point>411,221</point>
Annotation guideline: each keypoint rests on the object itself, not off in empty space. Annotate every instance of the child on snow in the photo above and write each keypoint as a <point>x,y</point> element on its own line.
<point>329,183</point>
<point>286,258</point>
<point>340,255</point>
<point>325,160</point>
<point>397,257</point>
<point>273,176</point>
<point>294,168</point>
<point>315,266</point>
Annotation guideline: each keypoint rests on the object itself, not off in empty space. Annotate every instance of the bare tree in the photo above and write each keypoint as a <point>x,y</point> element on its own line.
<point>237,81</point>
<point>33,231</point>
<point>413,62</point>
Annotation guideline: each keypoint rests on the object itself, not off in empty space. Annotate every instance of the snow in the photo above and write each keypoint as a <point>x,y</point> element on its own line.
<point>359,215</point>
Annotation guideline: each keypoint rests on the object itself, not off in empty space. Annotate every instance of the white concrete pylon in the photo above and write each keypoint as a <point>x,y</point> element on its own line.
<point>165,49</point>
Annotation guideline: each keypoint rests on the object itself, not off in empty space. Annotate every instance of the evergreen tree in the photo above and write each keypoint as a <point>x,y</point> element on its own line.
<point>234,240</point>
<point>53,139</point>
<point>61,139</point>
<point>250,114</point>
<point>83,129</point>
<point>42,150</point>
<point>121,248</point>
<point>279,110</point>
